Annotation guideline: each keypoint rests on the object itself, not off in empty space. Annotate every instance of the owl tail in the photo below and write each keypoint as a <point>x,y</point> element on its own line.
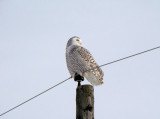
<point>93,79</point>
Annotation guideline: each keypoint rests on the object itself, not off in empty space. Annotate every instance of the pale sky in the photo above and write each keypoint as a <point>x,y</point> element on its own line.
<point>33,37</point>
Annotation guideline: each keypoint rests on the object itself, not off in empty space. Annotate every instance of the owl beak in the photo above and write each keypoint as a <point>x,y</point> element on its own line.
<point>80,42</point>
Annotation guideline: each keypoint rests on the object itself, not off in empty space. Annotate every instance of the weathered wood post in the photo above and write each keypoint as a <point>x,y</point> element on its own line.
<point>85,102</point>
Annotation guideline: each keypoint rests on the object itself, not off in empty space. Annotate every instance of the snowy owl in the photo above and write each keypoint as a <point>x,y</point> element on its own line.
<point>80,62</point>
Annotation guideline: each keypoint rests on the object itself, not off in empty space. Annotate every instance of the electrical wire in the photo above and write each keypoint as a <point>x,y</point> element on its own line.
<point>71,77</point>
<point>35,96</point>
<point>129,56</point>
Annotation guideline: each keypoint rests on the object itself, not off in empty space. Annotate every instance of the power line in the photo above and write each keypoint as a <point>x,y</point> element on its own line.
<point>36,96</point>
<point>129,56</point>
<point>71,77</point>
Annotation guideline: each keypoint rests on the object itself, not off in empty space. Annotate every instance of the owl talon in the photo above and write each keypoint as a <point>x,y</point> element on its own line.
<point>78,77</point>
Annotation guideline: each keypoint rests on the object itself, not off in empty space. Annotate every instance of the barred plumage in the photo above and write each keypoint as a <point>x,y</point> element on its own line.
<point>79,60</point>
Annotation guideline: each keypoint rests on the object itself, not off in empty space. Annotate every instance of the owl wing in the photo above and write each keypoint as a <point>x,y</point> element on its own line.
<point>84,64</point>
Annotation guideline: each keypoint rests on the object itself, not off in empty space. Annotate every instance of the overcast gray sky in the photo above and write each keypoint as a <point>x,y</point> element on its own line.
<point>33,37</point>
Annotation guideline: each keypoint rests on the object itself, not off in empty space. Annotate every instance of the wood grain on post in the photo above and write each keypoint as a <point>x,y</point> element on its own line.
<point>85,102</point>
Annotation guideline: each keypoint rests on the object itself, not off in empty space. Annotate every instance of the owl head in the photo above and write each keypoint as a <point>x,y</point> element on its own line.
<point>74,41</point>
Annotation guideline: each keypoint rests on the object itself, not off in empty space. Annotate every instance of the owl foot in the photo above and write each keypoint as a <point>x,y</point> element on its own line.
<point>78,78</point>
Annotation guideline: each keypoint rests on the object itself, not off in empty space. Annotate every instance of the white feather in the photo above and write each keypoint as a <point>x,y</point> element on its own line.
<point>92,79</point>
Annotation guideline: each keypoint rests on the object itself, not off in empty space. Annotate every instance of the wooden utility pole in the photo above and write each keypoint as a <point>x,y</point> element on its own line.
<point>85,102</point>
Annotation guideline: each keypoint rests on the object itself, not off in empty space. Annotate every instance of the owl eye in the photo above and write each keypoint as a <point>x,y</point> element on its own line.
<point>77,39</point>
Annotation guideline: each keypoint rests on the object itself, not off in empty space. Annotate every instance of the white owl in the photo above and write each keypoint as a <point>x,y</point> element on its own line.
<point>80,61</point>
